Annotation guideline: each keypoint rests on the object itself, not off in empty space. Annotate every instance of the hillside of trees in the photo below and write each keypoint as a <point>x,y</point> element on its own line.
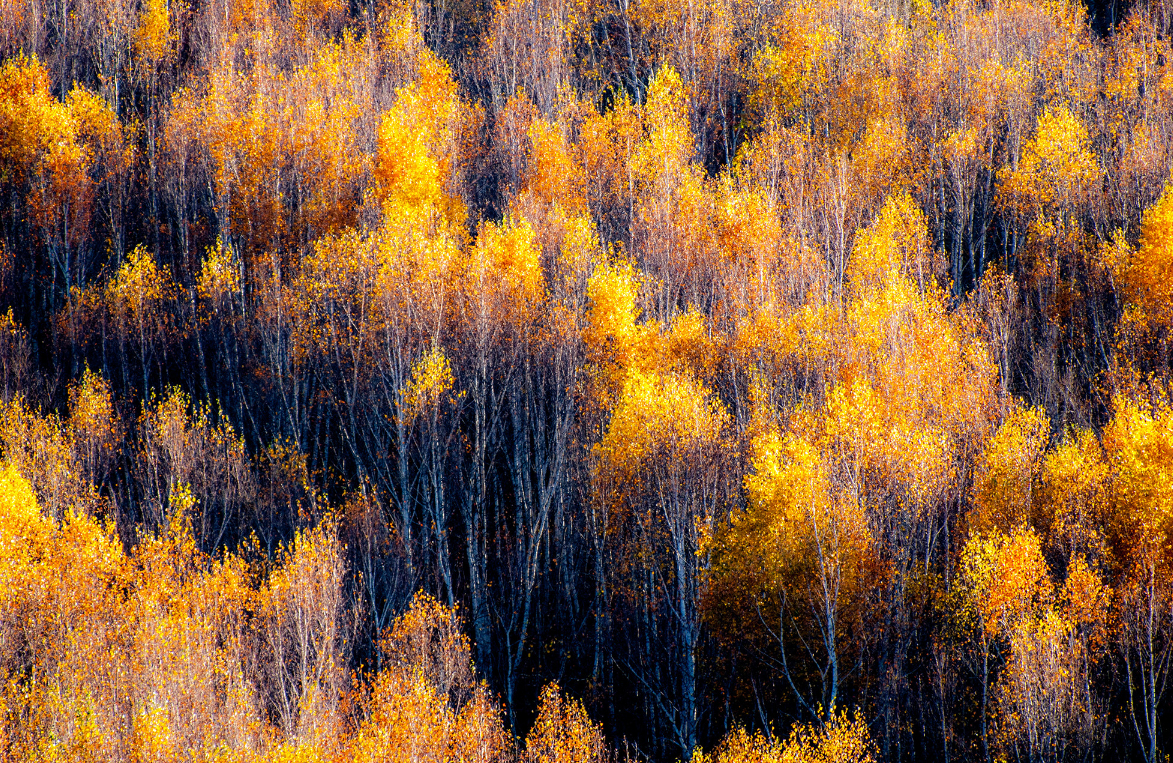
<point>586,381</point>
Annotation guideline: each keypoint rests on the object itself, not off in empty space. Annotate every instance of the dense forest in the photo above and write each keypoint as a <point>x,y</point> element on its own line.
<point>576,381</point>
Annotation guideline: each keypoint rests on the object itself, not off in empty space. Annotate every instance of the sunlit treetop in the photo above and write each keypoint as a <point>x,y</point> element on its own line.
<point>1145,273</point>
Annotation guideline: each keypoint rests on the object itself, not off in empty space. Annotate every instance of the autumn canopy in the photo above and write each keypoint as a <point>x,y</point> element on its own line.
<point>586,381</point>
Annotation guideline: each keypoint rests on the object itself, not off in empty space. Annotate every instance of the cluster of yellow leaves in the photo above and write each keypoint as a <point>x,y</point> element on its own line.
<point>267,137</point>
<point>671,235</point>
<point>613,293</point>
<point>842,738</point>
<point>15,357</point>
<point>36,127</point>
<point>1145,274</point>
<point>94,426</point>
<point>182,450</point>
<point>313,15</point>
<point>425,704</point>
<point>154,38</point>
<point>61,149</point>
<point>803,539</point>
<point>63,459</point>
<point>563,732</point>
<point>62,623</point>
<point>136,305</point>
<point>139,289</point>
<point>553,176</point>
<point>621,347</point>
<point>164,653</point>
<point>1105,495</point>
<point>1056,167</point>
<point>431,381</point>
<point>302,608</point>
<point>220,275</point>
<point>660,416</point>
<point>909,385</point>
<point>1008,471</point>
<point>899,391</point>
<point>1138,447</point>
<point>510,249</point>
<point>1005,578</point>
<point>788,73</point>
<point>789,483</point>
<point>1052,635</point>
<point>1054,521</point>
<point>417,165</point>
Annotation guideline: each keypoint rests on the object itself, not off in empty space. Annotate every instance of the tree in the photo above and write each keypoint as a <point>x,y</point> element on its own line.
<point>1002,579</point>
<point>563,732</point>
<point>802,553</point>
<point>1136,443</point>
<point>660,466</point>
<point>1142,274</point>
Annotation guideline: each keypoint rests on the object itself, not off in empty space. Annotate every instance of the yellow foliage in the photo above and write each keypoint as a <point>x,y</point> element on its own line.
<point>882,159</point>
<point>1074,489</point>
<point>425,706</point>
<point>1138,444</point>
<point>803,543</point>
<point>317,15</point>
<point>895,246</point>
<point>407,171</point>
<point>417,140</point>
<point>1007,472</point>
<point>94,426</point>
<point>1042,692</point>
<point>43,449</point>
<point>1003,579</point>
<point>1055,170</point>
<point>139,289</point>
<point>764,266</point>
<point>339,170</point>
<point>302,608</point>
<point>40,144</point>
<point>152,740</point>
<point>613,291</point>
<point>508,258</point>
<point>431,381</point>
<point>99,130</point>
<point>787,74</point>
<point>615,342</point>
<point>167,654</point>
<point>563,732</point>
<point>21,514</point>
<point>219,274</point>
<point>687,345</point>
<point>842,738</point>
<point>660,414</point>
<point>739,746</point>
<point>24,533</point>
<point>669,142</point>
<point>787,479</point>
<point>263,136</point>
<point>931,379</point>
<point>1145,275</point>
<point>1086,601</point>
<point>553,176</point>
<point>63,585</point>
<point>31,121</point>
<point>153,39</point>
<point>182,451</point>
